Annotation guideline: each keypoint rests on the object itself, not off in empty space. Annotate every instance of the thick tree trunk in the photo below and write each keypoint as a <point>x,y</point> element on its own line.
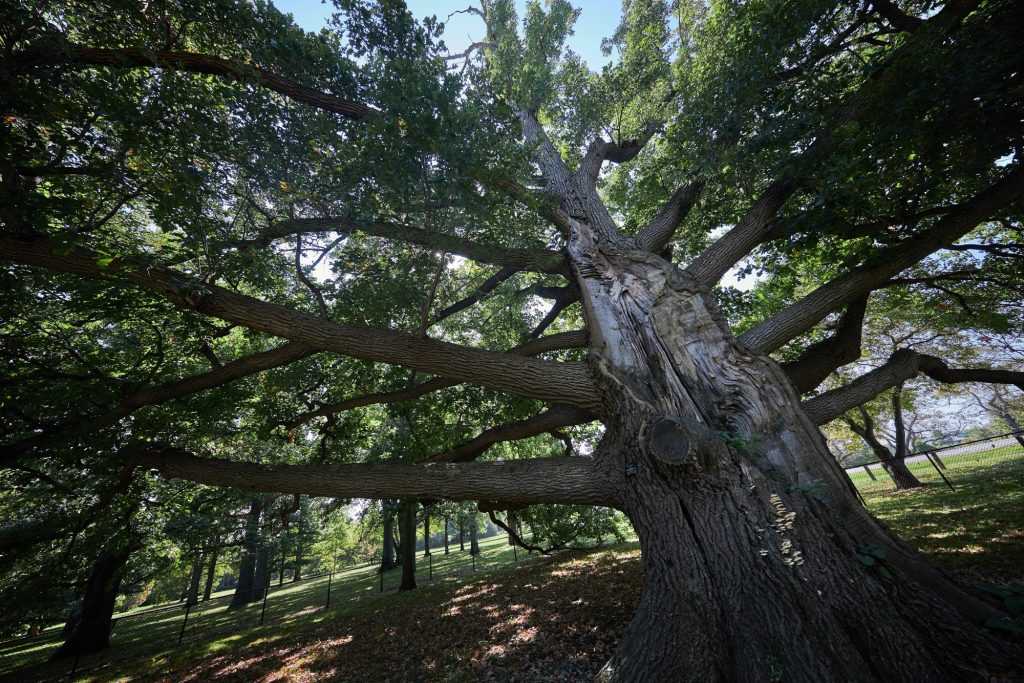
<point>462,536</point>
<point>387,562</point>
<point>91,631</point>
<point>407,530</point>
<point>211,573</point>
<point>245,588</point>
<point>760,563</point>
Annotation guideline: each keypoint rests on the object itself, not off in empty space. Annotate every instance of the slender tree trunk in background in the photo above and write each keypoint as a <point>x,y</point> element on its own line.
<point>297,575</point>
<point>462,535</point>
<point>261,574</point>
<point>474,547</point>
<point>211,571</point>
<point>91,632</point>
<point>387,561</point>
<point>1013,425</point>
<point>896,468</point>
<point>193,580</point>
<point>426,534</point>
<point>407,531</point>
<point>445,535</point>
<point>245,588</point>
<point>510,519</point>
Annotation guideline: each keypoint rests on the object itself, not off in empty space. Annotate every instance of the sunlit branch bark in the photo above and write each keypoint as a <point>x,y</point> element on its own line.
<point>887,262</point>
<point>485,288</point>
<point>543,480</point>
<point>553,418</point>
<point>819,360</point>
<point>538,260</point>
<point>155,395</point>
<point>901,366</point>
<point>542,203</point>
<point>659,231</point>
<point>130,57</point>
<point>600,151</point>
<point>556,382</point>
<point>554,342</point>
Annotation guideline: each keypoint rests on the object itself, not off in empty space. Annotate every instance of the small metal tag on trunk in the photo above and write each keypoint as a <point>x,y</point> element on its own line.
<point>631,469</point>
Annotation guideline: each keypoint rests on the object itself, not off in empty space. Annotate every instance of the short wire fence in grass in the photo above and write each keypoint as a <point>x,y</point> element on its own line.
<point>942,467</point>
<point>161,628</point>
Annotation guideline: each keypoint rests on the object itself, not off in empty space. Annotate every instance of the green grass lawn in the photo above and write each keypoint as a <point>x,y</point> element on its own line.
<point>153,629</point>
<point>976,532</point>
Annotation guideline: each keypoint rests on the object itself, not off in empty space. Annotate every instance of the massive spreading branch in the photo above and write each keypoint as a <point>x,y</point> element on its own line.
<point>525,482</point>
<point>900,367</point>
<point>157,394</point>
<point>82,56</point>
<point>547,380</point>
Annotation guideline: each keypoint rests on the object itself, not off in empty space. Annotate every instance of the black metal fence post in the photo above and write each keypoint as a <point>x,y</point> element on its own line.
<point>330,577</point>
<point>930,456</point>
<point>266,594</point>
<point>184,623</point>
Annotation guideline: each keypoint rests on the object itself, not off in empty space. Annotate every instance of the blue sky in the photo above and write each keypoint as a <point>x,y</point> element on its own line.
<point>598,19</point>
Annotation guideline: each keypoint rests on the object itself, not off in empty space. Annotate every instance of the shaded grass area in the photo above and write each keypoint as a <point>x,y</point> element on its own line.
<point>965,467</point>
<point>552,619</point>
<point>977,531</point>
<point>159,629</point>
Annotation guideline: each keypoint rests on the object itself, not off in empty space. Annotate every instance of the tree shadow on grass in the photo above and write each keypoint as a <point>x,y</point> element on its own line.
<point>555,620</point>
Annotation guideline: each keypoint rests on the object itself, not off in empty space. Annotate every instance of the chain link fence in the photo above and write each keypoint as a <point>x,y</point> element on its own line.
<point>942,467</point>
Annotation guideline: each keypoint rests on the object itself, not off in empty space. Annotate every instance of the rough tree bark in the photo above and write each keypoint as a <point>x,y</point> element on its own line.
<point>91,630</point>
<point>750,533</point>
<point>245,588</point>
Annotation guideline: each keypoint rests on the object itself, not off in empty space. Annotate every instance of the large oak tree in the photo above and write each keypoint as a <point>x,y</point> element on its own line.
<point>185,182</point>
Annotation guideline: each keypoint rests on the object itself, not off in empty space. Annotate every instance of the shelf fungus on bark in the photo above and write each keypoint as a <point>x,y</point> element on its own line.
<point>681,442</point>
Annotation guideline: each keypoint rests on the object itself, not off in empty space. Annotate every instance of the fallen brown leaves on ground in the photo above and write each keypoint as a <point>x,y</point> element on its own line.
<point>556,620</point>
